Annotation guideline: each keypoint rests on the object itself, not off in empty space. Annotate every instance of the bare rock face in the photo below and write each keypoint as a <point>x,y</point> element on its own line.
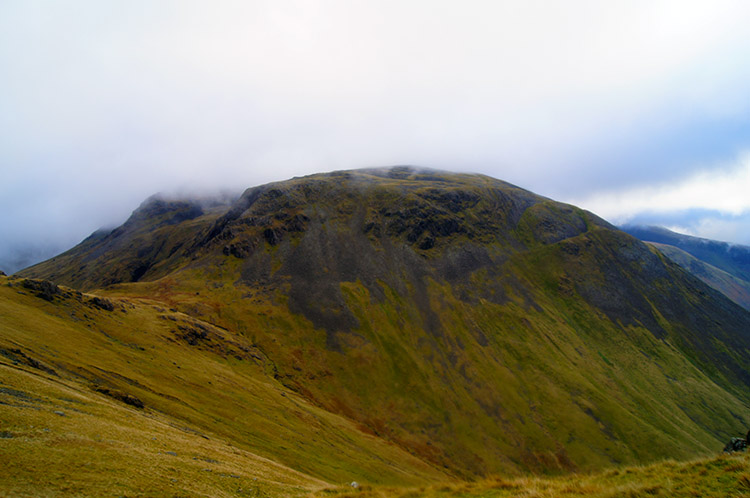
<point>43,288</point>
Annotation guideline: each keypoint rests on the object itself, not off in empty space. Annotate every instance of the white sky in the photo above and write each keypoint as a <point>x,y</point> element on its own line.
<point>628,108</point>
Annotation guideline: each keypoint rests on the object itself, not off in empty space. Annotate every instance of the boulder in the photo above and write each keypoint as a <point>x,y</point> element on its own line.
<point>735,444</point>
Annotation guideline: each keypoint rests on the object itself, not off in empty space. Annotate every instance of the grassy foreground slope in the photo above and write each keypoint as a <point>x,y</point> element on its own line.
<point>59,439</point>
<point>719,476</point>
<point>475,326</point>
<point>100,394</point>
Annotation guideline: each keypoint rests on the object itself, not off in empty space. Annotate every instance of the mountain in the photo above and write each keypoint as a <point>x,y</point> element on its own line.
<point>723,266</point>
<point>732,258</point>
<point>734,288</point>
<point>401,325</point>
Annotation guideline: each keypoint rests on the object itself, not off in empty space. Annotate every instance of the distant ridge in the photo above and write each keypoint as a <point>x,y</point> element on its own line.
<point>723,266</point>
<point>732,258</point>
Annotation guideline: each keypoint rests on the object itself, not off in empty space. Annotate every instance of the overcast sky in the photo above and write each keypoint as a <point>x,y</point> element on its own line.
<point>638,111</point>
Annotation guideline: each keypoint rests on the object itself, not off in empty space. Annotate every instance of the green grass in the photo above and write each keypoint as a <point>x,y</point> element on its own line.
<point>721,476</point>
<point>62,439</point>
<point>554,390</point>
<point>222,386</point>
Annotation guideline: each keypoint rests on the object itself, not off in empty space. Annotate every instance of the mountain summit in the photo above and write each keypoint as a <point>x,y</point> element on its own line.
<point>476,326</point>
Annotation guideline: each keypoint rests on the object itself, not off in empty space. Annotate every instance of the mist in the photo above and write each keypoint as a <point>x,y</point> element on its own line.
<point>107,103</point>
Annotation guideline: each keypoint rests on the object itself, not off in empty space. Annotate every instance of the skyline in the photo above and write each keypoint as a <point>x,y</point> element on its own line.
<point>637,111</point>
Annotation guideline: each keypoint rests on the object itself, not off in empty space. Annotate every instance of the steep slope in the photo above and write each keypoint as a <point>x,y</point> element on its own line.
<point>152,238</point>
<point>734,288</point>
<point>476,325</point>
<point>122,382</point>
<point>60,438</point>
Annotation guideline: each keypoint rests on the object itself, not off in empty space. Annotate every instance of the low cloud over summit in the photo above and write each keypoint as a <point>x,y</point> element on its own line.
<point>106,103</point>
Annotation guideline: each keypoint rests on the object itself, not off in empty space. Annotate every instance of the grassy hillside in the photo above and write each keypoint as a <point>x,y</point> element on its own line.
<point>551,390</point>
<point>60,438</point>
<point>457,321</point>
<point>90,382</point>
<point>720,476</point>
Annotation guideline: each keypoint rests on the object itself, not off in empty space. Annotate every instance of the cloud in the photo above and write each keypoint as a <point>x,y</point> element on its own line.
<point>734,229</point>
<point>721,189</point>
<point>105,103</point>
<point>712,203</point>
